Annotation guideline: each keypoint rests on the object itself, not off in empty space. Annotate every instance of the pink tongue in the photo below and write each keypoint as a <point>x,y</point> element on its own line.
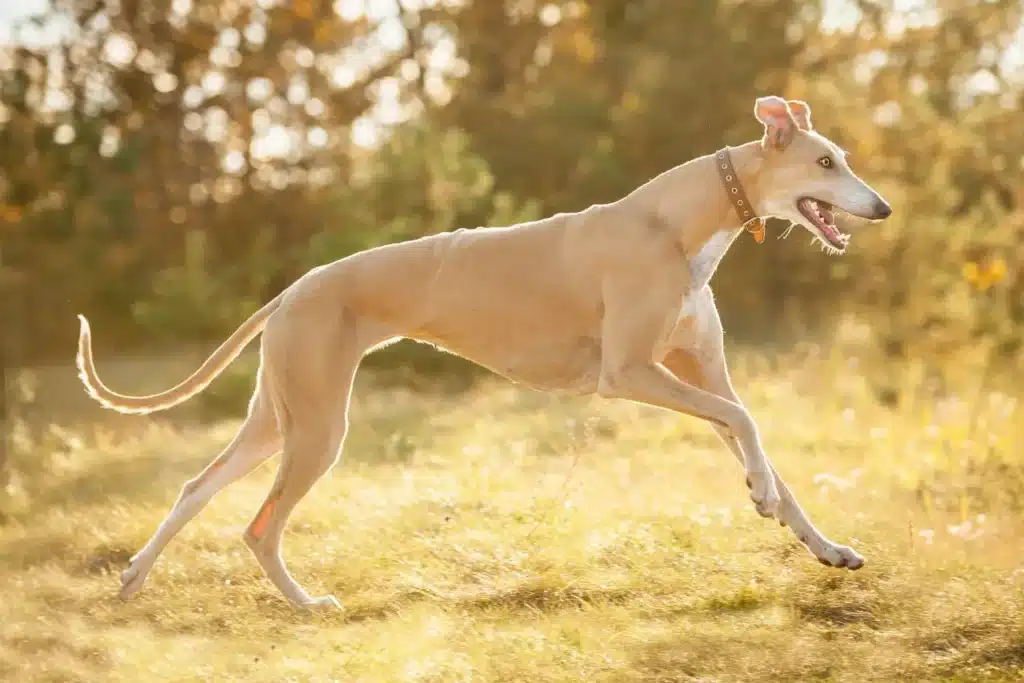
<point>827,215</point>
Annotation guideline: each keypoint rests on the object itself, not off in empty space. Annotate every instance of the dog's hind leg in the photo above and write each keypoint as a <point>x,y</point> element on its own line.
<point>311,400</point>
<point>308,455</point>
<point>256,441</point>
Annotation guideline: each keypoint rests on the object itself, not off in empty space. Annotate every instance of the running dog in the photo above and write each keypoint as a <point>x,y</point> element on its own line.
<point>613,300</point>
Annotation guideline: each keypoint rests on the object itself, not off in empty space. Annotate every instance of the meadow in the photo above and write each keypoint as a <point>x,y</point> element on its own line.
<point>168,167</point>
<point>492,533</point>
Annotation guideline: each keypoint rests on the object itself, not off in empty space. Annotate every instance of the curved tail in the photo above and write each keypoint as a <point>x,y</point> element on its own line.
<point>199,380</point>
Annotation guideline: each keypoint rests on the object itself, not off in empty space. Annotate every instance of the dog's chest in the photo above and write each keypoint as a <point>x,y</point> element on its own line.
<point>705,262</point>
<point>693,321</point>
<point>696,320</point>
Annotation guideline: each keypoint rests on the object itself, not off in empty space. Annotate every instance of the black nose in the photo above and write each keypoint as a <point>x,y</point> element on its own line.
<point>882,209</point>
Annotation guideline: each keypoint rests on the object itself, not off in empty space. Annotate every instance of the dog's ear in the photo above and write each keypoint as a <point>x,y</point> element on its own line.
<point>779,124</point>
<point>801,114</point>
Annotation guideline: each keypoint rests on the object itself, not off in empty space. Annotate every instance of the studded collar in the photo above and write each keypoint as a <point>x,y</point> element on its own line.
<point>737,197</point>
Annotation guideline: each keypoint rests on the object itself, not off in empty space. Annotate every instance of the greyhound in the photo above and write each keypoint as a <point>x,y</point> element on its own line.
<point>612,300</point>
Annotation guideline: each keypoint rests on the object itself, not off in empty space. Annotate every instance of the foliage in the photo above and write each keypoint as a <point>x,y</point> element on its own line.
<point>165,167</point>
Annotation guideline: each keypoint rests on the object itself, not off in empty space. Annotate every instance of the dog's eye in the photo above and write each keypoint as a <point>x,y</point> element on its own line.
<point>825,162</point>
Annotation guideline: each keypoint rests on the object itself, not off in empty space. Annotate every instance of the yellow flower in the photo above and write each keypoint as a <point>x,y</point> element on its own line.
<point>985,277</point>
<point>997,270</point>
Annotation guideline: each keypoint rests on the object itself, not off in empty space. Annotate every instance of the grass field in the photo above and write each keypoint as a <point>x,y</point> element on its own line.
<point>504,535</point>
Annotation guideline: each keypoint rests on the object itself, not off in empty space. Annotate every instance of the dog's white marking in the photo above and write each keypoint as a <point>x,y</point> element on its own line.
<point>704,264</point>
<point>697,316</point>
<point>702,268</point>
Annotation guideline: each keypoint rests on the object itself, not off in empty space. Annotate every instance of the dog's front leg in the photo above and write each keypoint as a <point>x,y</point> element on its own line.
<point>654,385</point>
<point>629,334</point>
<point>708,370</point>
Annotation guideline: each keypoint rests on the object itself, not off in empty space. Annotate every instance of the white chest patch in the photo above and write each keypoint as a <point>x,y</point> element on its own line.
<point>705,262</point>
<point>698,307</point>
<point>703,266</point>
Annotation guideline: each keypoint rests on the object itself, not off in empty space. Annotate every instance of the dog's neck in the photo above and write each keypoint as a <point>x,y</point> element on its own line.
<point>691,200</point>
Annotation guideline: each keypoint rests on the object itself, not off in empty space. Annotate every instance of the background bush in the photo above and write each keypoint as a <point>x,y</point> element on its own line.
<point>166,167</point>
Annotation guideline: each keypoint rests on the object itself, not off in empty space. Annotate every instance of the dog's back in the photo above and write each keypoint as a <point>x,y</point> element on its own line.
<point>448,289</point>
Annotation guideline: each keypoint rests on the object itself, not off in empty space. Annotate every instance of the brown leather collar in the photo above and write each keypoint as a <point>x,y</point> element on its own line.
<point>737,197</point>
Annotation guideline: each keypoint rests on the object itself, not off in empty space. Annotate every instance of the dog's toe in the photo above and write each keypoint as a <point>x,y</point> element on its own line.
<point>763,510</point>
<point>763,493</point>
<point>132,579</point>
<point>849,558</point>
<point>766,507</point>
<point>841,557</point>
<point>325,603</point>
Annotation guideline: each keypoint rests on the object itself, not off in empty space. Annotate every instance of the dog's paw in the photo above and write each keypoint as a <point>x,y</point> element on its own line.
<point>324,603</point>
<point>764,493</point>
<point>132,579</point>
<point>840,556</point>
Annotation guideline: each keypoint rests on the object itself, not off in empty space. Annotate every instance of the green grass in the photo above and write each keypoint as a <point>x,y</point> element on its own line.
<point>505,535</point>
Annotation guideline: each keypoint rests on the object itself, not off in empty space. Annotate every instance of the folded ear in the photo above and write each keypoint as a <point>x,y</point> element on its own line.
<point>801,113</point>
<point>779,124</point>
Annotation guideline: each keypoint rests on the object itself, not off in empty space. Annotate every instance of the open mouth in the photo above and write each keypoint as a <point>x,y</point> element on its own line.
<point>823,220</point>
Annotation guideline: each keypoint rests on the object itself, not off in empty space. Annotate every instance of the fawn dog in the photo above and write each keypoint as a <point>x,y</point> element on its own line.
<point>612,300</point>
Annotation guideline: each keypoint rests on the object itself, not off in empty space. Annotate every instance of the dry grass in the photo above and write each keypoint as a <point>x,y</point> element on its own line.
<point>503,535</point>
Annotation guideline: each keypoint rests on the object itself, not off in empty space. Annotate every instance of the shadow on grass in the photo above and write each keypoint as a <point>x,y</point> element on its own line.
<point>837,601</point>
<point>969,646</point>
<point>530,596</point>
<point>706,657</point>
<point>42,550</point>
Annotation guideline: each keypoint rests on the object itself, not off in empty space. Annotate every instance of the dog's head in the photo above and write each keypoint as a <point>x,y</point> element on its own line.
<point>805,176</point>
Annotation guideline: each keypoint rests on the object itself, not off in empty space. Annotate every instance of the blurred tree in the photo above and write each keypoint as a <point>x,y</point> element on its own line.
<point>137,122</point>
<point>928,100</point>
<point>186,159</point>
<point>609,94</point>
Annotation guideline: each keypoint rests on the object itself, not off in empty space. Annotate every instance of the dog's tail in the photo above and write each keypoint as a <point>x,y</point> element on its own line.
<point>199,380</point>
